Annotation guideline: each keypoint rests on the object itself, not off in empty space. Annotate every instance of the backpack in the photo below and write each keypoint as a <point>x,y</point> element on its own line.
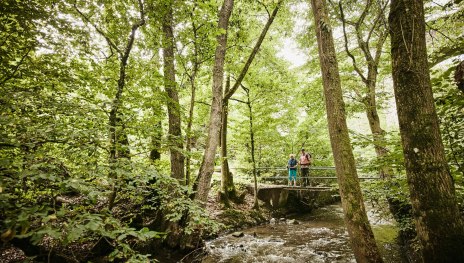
<point>307,161</point>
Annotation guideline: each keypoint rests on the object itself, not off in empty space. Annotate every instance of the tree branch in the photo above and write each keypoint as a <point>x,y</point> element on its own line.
<point>439,32</point>
<point>446,52</point>
<point>383,33</point>
<point>111,44</point>
<point>10,76</point>
<point>231,92</point>
<point>241,101</point>
<point>353,59</point>
<point>135,26</point>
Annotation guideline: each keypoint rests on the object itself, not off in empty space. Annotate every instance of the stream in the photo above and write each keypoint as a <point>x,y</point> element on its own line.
<point>319,237</point>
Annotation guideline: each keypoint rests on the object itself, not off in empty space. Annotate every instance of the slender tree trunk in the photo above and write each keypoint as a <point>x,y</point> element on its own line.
<point>113,116</point>
<point>202,184</point>
<point>378,134</point>
<point>123,150</point>
<point>361,236</point>
<point>252,143</point>
<point>188,144</point>
<point>114,121</point>
<point>175,134</point>
<point>155,153</point>
<point>157,134</point>
<point>379,29</point>
<point>438,222</point>
<point>192,78</point>
<point>227,183</point>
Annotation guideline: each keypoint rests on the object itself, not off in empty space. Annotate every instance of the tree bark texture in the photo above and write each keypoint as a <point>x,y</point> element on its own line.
<point>175,134</point>
<point>438,222</point>
<point>459,76</point>
<point>155,153</point>
<point>227,180</point>
<point>378,134</point>
<point>203,183</point>
<point>362,239</point>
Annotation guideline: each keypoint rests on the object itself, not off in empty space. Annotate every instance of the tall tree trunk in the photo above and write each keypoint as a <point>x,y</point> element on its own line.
<point>192,78</point>
<point>361,236</point>
<point>116,138</point>
<point>175,134</point>
<point>157,133</point>
<point>117,133</point>
<point>203,181</point>
<point>155,153</point>
<point>188,143</point>
<point>123,150</point>
<point>364,39</point>
<point>438,222</point>
<point>378,134</point>
<point>227,183</point>
<point>252,143</point>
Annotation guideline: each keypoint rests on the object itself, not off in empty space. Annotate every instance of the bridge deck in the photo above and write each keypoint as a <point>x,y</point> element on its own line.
<point>307,188</point>
<point>287,187</point>
<point>316,177</point>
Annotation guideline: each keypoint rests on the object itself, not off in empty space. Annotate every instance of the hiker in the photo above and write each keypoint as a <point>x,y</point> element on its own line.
<point>292,166</point>
<point>305,162</point>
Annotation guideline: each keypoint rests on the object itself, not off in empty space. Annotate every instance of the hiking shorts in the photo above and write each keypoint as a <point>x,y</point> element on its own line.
<point>291,174</point>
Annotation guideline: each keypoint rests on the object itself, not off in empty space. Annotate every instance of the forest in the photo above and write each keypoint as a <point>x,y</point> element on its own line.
<point>134,128</point>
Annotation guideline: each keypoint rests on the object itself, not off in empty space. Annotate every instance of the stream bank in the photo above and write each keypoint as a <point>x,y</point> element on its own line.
<point>319,236</point>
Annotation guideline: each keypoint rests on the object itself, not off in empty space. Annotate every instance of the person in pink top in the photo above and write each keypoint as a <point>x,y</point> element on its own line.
<point>305,162</point>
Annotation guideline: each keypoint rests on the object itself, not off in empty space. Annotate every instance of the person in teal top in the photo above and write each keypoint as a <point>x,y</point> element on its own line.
<point>292,166</point>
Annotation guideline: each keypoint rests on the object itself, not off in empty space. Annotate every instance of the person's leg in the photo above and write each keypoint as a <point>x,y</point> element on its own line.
<point>302,180</point>
<point>309,181</point>
<point>292,176</point>
<point>294,179</point>
<point>289,177</point>
<point>304,176</point>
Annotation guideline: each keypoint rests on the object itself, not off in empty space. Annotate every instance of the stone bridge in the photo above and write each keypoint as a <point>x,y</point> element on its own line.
<point>288,199</point>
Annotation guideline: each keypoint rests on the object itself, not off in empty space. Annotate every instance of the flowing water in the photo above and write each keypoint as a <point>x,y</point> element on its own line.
<point>319,237</point>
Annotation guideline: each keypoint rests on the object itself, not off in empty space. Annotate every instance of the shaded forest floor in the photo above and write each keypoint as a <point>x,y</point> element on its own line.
<point>237,216</point>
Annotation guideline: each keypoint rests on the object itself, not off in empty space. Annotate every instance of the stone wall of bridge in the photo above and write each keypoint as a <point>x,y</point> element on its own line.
<point>284,200</point>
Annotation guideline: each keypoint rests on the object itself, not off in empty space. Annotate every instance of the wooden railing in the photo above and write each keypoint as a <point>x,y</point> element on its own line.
<point>314,174</point>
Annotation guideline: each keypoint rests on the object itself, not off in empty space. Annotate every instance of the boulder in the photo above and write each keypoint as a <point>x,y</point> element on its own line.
<point>292,222</point>
<point>238,234</point>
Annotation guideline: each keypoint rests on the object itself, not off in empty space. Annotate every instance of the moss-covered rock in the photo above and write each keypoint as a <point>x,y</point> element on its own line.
<point>237,219</point>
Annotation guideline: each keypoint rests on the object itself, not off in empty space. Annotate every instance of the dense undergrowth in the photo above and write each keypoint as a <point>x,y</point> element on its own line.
<point>49,214</point>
